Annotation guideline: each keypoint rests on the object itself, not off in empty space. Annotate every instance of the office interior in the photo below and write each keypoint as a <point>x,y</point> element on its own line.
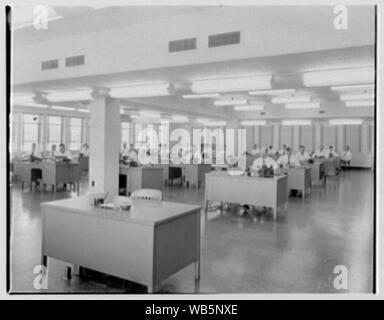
<point>95,85</point>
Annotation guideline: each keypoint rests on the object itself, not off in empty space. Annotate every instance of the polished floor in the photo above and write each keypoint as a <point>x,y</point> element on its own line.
<point>240,254</point>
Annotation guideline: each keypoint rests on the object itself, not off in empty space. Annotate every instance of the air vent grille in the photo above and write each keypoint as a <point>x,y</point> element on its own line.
<point>182,45</point>
<point>74,61</point>
<point>224,39</point>
<point>49,64</point>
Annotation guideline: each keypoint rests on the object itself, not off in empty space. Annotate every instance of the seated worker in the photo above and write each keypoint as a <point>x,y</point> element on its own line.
<point>34,154</point>
<point>84,152</point>
<point>346,156</point>
<point>271,150</point>
<point>331,153</point>
<point>302,155</point>
<point>320,152</point>
<point>283,150</point>
<point>264,159</point>
<point>255,151</point>
<point>63,153</point>
<point>288,160</point>
<point>52,153</point>
<point>124,150</point>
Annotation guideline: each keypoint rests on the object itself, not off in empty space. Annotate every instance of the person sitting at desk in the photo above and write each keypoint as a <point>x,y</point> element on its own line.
<point>52,153</point>
<point>346,156</point>
<point>288,160</point>
<point>302,155</point>
<point>283,150</point>
<point>320,152</point>
<point>63,153</point>
<point>264,159</point>
<point>331,153</point>
<point>271,150</point>
<point>84,152</point>
<point>255,151</point>
<point>34,154</point>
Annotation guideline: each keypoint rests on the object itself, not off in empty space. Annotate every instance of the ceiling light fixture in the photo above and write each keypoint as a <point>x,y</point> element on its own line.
<point>339,77</point>
<point>313,105</point>
<point>230,102</point>
<point>201,96</point>
<point>63,108</point>
<point>294,99</point>
<point>254,107</point>
<point>138,91</point>
<point>365,103</point>
<point>76,95</point>
<point>273,92</point>
<point>231,84</point>
<point>35,105</point>
<point>365,96</point>
<point>345,121</point>
<point>216,123</point>
<point>363,87</point>
<point>299,122</point>
<point>253,123</point>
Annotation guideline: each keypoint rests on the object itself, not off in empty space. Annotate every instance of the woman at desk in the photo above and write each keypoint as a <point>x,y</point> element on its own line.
<point>302,155</point>
<point>63,153</point>
<point>320,152</point>
<point>288,160</point>
<point>84,152</point>
<point>331,153</point>
<point>33,154</point>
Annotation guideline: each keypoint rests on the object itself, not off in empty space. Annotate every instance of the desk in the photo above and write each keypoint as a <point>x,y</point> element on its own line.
<point>23,171</point>
<point>317,172</point>
<point>299,178</point>
<point>268,192</point>
<point>146,244</point>
<point>195,173</point>
<point>141,177</point>
<point>83,163</point>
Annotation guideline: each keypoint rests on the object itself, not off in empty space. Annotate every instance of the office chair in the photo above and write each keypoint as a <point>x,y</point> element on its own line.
<point>331,171</point>
<point>147,194</point>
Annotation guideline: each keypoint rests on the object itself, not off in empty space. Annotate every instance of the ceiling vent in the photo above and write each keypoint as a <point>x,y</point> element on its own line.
<point>50,64</point>
<point>224,39</point>
<point>182,45</point>
<point>74,61</point>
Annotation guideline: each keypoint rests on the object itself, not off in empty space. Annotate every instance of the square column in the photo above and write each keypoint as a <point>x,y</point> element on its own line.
<point>105,140</point>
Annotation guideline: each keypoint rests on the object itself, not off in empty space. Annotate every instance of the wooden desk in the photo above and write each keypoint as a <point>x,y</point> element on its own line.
<point>317,172</point>
<point>146,244</point>
<point>142,177</point>
<point>299,178</point>
<point>53,173</point>
<point>268,192</point>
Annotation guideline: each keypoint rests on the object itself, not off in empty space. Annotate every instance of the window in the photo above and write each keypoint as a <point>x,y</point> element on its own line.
<point>54,131</point>
<point>139,136</point>
<point>31,128</point>
<point>125,127</point>
<point>75,127</point>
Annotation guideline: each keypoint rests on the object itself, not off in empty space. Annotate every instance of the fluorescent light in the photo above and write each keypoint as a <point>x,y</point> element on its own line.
<point>63,108</point>
<point>253,123</point>
<point>365,103</point>
<point>313,105</point>
<point>137,91</point>
<point>339,76</point>
<point>355,87</point>
<point>122,111</point>
<point>365,96</point>
<point>254,107</point>
<point>272,92</point>
<point>22,99</point>
<point>230,102</point>
<point>345,121</point>
<point>200,96</point>
<point>202,121</point>
<point>35,105</point>
<point>83,110</point>
<point>149,114</point>
<point>291,99</point>
<point>216,123</point>
<point>299,122</point>
<point>176,118</point>
<point>76,95</point>
<point>231,84</point>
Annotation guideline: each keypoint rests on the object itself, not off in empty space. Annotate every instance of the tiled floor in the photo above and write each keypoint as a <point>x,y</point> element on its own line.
<point>296,254</point>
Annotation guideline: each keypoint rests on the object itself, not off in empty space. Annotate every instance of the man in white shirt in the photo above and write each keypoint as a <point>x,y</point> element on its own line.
<point>283,150</point>
<point>346,156</point>
<point>34,153</point>
<point>264,160</point>
<point>331,153</point>
<point>288,160</point>
<point>302,155</point>
<point>85,150</point>
<point>63,152</point>
<point>255,151</point>
<point>320,153</point>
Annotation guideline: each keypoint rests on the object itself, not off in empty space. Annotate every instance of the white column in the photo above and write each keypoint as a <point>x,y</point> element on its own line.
<point>296,138</point>
<point>256,132</point>
<point>105,138</point>
<point>340,134</point>
<point>318,136</point>
<point>364,141</point>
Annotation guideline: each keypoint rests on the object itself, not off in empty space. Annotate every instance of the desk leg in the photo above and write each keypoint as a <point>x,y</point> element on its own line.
<point>44,261</point>
<point>303,194</point>
<point>274,209</point>
<point>151,288</point>
<point>78,188</point>
<point>206,206</point>
<point>22,185</point>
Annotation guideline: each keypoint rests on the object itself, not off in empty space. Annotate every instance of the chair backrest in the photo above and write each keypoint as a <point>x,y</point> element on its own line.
<point>330,168</point>
<point>147,194</point>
